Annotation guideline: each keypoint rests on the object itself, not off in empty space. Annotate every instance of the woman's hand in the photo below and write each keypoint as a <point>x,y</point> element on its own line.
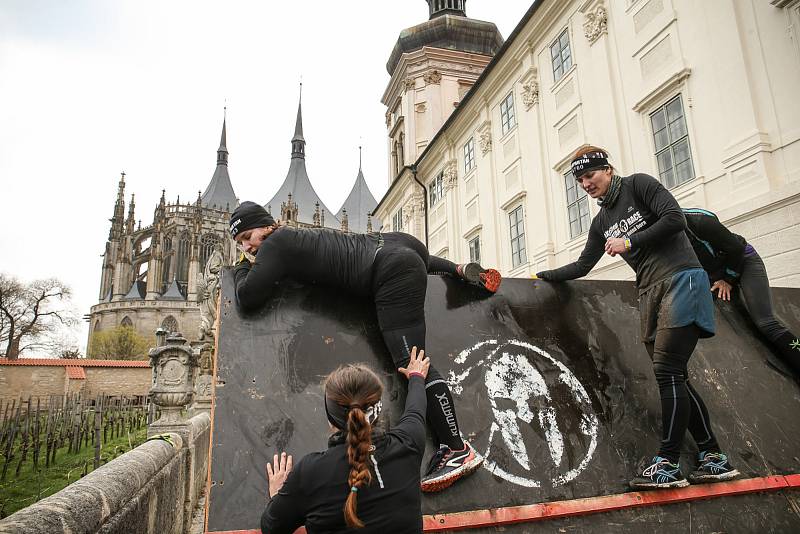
<point>277,472</point>
<point>724,288</point>
<point>616,245</point>
<point>418,363</point>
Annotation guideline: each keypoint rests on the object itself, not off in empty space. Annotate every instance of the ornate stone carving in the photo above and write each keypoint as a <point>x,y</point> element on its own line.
<point>388,119</point>
<point>208,296</point>
<point>420,108</point>
<point>530,89</point>
<point>414,205</point>
<point>174,366</point>
<point>485,137</point>
<point>450,175</point>
<point>596,24</point>
<point>410,83</point>
<point>432,77</point>
<point>485,142</point>
<point>203,384</point>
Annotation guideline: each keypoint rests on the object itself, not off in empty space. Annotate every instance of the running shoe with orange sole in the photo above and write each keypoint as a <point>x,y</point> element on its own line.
<point>489,279</point>
<point>447,466</point>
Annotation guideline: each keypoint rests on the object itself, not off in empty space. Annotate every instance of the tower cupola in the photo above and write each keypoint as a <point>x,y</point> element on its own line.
<point>442,7</point>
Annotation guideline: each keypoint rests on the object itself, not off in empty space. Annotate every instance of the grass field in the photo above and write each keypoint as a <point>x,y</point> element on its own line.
<point>17,492</point>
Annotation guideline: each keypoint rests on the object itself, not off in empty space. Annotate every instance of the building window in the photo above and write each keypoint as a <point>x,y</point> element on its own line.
<point>671,140</point>
<point>435,190</point>
<point>208,244</point>
<point>469,155</point>
<point>397,221</point>
<point>126,322</point>
<point>475,249</point>
<point>170,324</point>
<point>561,56</point>
<point>182,266</point>
<point>507,118</point>
<point>167,254</point>
<point>577,207</point>
<point>517,228</point>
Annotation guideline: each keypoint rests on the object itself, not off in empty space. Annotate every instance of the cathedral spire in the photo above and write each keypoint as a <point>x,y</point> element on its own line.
<point>222,151</point>
<point>298,141</point>
<point>219,194</point>
<point>130,222</point>
<point>119,209</point>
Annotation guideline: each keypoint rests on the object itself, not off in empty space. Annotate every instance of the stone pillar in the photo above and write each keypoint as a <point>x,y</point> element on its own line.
<point>204,353</point>
<point>174,365</point>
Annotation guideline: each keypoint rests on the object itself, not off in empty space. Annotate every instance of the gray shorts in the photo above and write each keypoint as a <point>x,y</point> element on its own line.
<point>677,300</point>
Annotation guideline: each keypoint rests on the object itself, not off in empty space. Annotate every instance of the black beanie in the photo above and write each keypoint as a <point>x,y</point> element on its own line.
<point>249,215</point>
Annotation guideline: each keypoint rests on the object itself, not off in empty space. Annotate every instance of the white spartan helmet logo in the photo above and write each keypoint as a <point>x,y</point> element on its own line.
<point>517,394</point>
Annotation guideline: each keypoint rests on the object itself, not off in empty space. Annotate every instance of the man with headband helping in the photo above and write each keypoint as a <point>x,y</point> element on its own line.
<point>391,268</point>
<point>641,221</point>
<point>368,478</point>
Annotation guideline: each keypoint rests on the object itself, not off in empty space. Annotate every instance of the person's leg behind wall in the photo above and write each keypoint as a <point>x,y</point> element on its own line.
<point>472,272</point>
<point>400,283</point>
<point>757,296</point>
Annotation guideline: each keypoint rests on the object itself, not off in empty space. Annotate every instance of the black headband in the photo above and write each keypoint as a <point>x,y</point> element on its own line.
<point>337,414</point>
<point>589,162</point>
<point>249,215</point>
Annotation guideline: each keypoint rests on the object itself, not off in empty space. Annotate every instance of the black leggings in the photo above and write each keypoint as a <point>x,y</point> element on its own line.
<point>681,406</point>
<point>399,284</point>
<point>756,294</point>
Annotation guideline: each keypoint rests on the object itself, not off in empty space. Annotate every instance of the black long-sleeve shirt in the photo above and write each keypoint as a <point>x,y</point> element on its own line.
<point>310,255</point>
<point>316,489</point>
<point>647,214</point>
<point>719,250</point>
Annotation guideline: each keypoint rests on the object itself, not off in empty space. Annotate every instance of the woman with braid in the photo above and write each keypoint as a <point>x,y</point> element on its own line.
<point>641,221</point>
<point>368,479</point>
<point>392,269</point>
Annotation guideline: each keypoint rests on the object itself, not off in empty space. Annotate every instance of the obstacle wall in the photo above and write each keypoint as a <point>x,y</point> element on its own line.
<point>551,384</point>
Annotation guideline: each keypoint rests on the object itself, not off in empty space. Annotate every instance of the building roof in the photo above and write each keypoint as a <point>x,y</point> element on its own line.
<point>448,31</point>
<point>173,292</point>
<point>359,203</point>
<point>219,193</point>
<point>137,291</point>
<point>57,362</point>
<point>76,372</point>
<point>299,185</point>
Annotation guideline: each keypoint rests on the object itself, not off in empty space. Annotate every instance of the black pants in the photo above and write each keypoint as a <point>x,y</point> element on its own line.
<point>754,284</point>
<point>399,284</point>
<point>681,406</point>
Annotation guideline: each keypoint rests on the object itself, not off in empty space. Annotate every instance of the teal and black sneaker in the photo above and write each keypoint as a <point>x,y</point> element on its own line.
<point>712,467</point>
<point>659,473</point>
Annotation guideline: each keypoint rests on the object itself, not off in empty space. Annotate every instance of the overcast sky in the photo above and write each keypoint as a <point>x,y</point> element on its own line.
<point>89,88</point>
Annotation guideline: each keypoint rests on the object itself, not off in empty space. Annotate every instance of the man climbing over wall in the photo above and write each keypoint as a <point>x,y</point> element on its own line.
<point>390,268</point>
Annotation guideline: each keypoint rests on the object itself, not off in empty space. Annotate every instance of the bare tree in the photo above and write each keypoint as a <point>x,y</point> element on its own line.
<point>31,313</point>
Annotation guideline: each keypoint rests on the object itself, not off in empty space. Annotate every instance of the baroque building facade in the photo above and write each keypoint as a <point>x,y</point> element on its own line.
<point>699,94</point>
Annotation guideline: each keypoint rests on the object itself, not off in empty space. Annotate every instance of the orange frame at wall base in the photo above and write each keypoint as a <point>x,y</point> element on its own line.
<point>510,515</point>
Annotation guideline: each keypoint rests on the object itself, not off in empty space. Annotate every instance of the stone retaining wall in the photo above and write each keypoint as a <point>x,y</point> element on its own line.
<point>149,490</point>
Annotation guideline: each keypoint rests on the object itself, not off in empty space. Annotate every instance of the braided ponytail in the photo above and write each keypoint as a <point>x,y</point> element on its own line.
<point>359,440</point>
<point>355,386</point>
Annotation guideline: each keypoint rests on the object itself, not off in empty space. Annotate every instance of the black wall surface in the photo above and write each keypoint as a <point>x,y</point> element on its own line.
<point>551,383</point>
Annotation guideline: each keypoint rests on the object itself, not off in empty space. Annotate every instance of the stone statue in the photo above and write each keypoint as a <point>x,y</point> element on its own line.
<point>208,296</point>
